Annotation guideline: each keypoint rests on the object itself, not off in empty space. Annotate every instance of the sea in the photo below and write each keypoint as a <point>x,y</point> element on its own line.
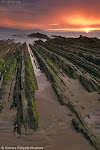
<point>22,37</point>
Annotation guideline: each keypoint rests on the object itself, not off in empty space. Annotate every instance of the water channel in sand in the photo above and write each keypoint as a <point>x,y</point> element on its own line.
<point>54,121</point>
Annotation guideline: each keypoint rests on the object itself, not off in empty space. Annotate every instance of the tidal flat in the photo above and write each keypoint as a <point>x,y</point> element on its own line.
<point>50,93</point>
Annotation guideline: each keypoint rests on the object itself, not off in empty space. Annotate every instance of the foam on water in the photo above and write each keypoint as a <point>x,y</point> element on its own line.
<point>23,38</point>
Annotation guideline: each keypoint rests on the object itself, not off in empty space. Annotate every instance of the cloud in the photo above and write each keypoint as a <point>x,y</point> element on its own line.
<point>46,13</point>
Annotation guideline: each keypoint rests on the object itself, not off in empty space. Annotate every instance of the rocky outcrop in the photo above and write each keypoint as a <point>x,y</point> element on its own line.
<point>30,87</point>
<point>46,61</point>
<point>71,70</point>
<point>38,35</point>
<point>23,98</point>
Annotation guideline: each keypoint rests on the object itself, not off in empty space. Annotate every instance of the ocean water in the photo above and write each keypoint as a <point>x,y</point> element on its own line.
<point>23,38</point>
<point>75,34</point>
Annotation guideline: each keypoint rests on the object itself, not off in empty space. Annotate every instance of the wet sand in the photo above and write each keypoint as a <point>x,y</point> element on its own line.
<point>87,103</point>
<point>54,121</point>
<point>55,131</point>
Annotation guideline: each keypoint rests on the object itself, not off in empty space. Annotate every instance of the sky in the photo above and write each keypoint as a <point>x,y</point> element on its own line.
<point>52,15</point>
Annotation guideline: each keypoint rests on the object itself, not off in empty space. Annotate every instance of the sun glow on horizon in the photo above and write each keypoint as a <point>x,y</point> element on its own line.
<point>87,30</point>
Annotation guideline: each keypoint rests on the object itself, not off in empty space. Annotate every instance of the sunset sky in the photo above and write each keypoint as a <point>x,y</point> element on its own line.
<point>57,15</point>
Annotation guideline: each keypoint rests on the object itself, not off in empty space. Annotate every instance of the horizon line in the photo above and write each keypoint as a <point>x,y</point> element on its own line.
<point>84,30</point>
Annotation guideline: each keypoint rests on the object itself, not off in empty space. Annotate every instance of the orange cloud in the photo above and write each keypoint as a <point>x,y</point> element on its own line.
<point>80,20</point>
<point>73,15</point>
<point>13,23</point>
